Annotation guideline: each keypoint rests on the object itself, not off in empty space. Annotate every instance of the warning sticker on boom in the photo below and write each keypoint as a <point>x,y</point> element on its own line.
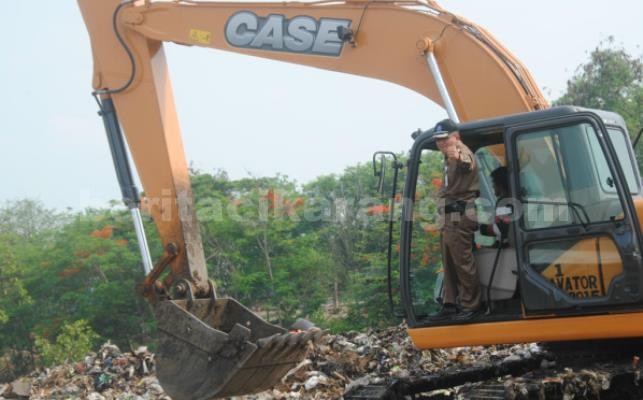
<point>200,36</point>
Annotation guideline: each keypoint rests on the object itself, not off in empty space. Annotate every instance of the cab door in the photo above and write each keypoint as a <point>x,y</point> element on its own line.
<point>577,240</point>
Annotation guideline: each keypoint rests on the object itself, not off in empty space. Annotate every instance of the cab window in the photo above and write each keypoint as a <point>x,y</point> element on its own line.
<point>564,178</point>
<point>622,148</point>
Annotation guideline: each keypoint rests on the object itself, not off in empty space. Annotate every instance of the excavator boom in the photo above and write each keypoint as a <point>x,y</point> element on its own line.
<point>383,40</point>
<point>214,347</point>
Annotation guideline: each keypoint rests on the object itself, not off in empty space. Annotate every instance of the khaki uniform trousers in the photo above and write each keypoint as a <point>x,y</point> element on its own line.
<point>461,281</point>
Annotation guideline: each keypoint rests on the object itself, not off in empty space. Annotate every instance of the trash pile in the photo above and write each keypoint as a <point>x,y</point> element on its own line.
<point>107,374</point>
<point>334,366</point>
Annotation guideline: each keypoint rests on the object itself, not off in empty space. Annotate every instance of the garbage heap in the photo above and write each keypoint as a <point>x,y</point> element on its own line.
<point>337,364</point>
<point>107,374</point>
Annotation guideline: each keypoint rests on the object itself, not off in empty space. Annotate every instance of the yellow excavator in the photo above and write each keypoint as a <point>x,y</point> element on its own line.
<point>571,269</point>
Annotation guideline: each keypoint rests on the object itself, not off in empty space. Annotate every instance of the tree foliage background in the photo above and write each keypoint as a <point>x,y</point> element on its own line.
<point>318,250</point>
<point>611,80</point>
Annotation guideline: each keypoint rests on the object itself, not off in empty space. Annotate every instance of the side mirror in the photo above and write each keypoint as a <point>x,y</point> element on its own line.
<point>378,170</point>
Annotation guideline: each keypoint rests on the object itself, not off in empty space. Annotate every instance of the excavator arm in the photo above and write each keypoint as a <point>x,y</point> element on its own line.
<point>215,347</point>
<point>382,39</point>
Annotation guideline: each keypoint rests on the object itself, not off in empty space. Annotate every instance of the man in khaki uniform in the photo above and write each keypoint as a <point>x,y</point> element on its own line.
<point>456,198</point>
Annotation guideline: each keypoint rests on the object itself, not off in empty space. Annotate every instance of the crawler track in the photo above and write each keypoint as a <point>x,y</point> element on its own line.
<point>578,370</point>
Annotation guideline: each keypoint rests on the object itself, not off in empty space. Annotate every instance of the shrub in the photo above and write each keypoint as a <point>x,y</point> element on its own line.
<point>73,343</point>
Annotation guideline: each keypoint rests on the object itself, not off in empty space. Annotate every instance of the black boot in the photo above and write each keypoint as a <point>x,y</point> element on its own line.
<point>468,314</point>
<point>447,311</point>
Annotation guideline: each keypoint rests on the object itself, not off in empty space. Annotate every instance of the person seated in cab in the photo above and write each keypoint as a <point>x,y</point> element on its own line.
<point>504,209</point>
<point>461,298</point>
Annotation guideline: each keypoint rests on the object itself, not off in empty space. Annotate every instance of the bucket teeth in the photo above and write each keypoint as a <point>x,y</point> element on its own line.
<point>313,335</point>
<point>268,342</point>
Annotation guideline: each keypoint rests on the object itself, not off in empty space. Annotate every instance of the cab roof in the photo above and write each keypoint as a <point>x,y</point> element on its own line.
<point>483,132</point>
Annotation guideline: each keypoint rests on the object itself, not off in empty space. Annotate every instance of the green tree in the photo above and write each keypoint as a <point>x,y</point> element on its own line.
<point>15,299</point>
<point>89,271</point>
<point>355,235</point>
<point>258,246</point>
<point>612,80</point>
<point>73,343</point>
<point>27,218</point>
<point>224,253</point>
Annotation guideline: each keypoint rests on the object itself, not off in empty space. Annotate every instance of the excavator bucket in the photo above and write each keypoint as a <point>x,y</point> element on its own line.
<point>219,348</point>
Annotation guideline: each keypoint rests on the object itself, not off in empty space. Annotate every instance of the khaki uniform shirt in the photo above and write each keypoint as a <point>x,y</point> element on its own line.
<point>460,177</point>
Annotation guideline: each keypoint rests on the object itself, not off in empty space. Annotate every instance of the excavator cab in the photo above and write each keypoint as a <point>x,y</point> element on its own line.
<point>574,247</point>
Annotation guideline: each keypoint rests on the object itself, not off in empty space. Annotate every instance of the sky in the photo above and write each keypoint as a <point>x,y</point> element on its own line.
<point>248,116</point>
